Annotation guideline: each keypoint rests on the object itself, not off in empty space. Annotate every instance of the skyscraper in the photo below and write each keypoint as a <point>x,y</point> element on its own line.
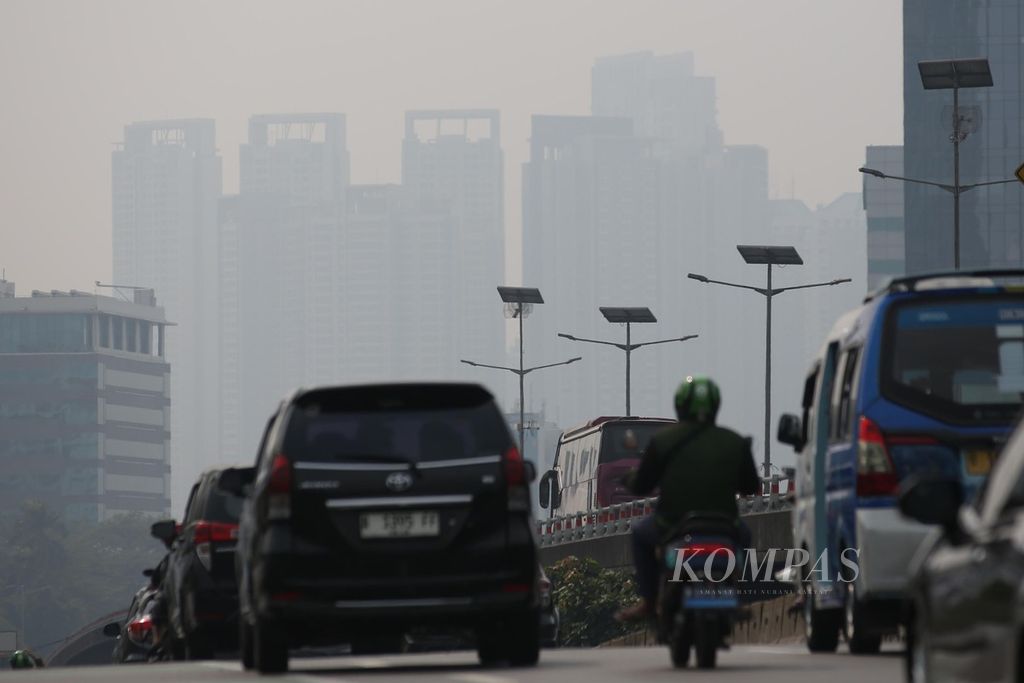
<point>452,162</point>
<point>661,94</point>
<point>281,279</point>
<point>166,185</point>
<point>883,203</point>
<point>592,236</point>
<point>84,404</point>
<point>992,218</point>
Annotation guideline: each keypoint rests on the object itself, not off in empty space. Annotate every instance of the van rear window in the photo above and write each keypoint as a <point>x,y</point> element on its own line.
<point>324,435</point>
<point>960,359</point>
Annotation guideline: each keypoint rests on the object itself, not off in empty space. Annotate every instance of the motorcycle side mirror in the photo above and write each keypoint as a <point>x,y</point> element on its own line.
<point>629,441</point>
<point>791,431</point>
<point>112,630</point>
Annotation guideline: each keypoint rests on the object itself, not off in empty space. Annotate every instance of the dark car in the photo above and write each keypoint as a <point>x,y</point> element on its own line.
<point>138,635</point>
<point>380,509</point>
<point>549,618</point>
<point>199,586</point>
<point>966,612</point>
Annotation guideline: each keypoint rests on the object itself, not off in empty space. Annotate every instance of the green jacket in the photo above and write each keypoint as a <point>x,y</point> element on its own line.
<point>697,468</point>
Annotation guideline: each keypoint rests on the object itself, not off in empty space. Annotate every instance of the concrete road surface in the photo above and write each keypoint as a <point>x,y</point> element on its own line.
<point>755,664</point>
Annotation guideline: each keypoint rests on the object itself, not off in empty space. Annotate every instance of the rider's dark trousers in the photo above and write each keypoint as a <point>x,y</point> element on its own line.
<point>645,548</point>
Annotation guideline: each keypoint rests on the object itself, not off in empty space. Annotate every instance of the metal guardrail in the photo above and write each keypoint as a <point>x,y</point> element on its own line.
<point>616,520</point>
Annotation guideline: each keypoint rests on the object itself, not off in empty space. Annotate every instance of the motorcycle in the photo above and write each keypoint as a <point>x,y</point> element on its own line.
<point>698,601</point>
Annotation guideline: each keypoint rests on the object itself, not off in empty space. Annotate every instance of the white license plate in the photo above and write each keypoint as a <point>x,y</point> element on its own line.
<point>406,524</point>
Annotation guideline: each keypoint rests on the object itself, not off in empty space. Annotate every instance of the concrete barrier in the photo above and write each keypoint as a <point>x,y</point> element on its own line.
<point>768,530</point>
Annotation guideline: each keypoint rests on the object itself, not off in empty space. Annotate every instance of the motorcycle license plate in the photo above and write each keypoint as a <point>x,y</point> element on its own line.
<point>410,524</point>
<point>707,596</point>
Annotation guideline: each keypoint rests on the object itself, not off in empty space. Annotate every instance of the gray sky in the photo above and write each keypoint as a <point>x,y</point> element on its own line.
<point>814,81</point>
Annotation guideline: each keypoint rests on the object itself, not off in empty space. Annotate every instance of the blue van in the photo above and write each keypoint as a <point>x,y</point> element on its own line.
<point>926,375</point>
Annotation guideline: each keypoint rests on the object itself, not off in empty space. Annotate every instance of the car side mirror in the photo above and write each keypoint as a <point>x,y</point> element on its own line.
<point>165,530</point>
<point>148,573</point>
<point>544,490</point>
<point>791,431</point>
<point>550,493</point>
<point>236,480</point>
<point>112,630</point>
<point>932,499</point>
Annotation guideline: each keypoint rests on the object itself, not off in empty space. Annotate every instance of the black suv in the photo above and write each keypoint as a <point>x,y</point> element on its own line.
<point>199,585</point>
<point>378,509</point>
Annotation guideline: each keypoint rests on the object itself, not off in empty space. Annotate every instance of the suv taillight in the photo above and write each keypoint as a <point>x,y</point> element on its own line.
<point>515,480</point>
<point>875,473</point>
<point>279,488</point>
<point>204,533</point>
<point>515,471</point>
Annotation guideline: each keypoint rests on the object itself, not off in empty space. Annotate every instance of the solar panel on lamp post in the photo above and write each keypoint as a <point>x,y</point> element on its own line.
<point>627,315</point>
<point>521,299</point>
<point>768,256</point>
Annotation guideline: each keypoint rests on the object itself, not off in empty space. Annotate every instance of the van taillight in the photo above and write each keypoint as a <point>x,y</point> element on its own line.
<point>515,471</point>
<point>279,488</point>
<point>875,473</point>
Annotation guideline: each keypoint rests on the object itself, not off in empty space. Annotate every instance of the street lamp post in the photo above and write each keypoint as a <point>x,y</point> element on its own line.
<point>951,74</point>
<point>520,301</point>
<point>627,316</point>
<point>768,256</point>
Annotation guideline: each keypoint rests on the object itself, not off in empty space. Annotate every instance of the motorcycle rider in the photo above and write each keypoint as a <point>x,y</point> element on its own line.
<point>24,659</point>
<point>698,466</point>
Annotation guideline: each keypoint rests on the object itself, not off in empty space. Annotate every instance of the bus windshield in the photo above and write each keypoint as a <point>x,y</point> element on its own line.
<point>613,445</point>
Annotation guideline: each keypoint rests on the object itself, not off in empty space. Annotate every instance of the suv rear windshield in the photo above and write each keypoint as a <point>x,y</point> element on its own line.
<point>960,359</point>
<point>399,431</point>
<point>613,445</point>
<point>222,507</point>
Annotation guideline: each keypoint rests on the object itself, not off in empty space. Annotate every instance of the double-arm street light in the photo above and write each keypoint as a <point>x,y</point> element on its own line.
<point>951,74</point>
<point>768,256</point>
<point>627,316</point>
<point>519,301</point>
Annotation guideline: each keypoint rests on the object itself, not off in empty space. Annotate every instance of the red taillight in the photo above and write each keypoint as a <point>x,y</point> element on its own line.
<point>280,475</point>
<point>515,471</point>
<point>515,588</point>
<point>140,630</point>
<point>706,548</point>
<point>279,488</point>
<point>205,532</point>
<point>875,473</point>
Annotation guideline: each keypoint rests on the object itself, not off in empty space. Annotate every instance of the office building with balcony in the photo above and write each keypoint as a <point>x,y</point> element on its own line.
<point>84,404</point>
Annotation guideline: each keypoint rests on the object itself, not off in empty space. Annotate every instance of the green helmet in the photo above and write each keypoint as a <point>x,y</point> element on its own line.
<point>22,660</point>
<point>697,399</point>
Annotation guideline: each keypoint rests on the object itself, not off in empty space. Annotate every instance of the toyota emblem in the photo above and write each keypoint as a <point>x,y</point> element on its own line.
<point>398,481</point>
